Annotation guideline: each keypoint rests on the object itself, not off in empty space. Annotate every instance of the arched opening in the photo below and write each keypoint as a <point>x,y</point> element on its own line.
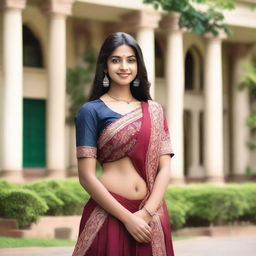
<point>32,52</point>
<point>193,70</point>
<point>159,60</point>
<point>189,72</point>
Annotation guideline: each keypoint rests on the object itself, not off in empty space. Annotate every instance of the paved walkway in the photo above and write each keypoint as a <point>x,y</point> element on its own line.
<point>203,246</point>
<point>218,246</point>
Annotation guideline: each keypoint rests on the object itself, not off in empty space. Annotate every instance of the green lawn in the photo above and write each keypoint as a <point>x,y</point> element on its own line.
<point>6,242</point>
<point>177,238</point>
<point>26,242</point>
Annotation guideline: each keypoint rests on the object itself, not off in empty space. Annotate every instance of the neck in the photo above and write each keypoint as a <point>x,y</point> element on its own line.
<point>122,92</point>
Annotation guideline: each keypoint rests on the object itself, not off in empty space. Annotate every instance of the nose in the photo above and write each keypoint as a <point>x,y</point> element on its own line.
<point>124,65</point>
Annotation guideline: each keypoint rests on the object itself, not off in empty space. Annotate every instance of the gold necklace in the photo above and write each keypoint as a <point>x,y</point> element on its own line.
<point>118,99</point>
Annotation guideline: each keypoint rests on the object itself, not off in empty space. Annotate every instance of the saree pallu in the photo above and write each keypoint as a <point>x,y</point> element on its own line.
<point>143,136</point>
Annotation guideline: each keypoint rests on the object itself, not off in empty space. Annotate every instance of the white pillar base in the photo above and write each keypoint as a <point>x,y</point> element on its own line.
<point>177,181</point>
<point>56,174</point>
<point>215,180</point>
<point>12,176</point>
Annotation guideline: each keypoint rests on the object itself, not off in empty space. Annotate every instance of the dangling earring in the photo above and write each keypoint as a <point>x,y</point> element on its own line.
<point>105,80</point>
<point>136,82</point>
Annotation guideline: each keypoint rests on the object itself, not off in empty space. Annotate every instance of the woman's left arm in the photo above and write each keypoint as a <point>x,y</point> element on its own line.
<point>158,191</point>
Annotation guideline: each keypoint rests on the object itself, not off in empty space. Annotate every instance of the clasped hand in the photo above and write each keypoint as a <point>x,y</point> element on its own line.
<point>138,226</point>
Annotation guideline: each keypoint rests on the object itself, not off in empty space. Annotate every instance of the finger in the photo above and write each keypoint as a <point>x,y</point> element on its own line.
<point>145,235</point>
<point>147,232</point>
<point>142,238</point>
<point>149,229</point>
<point>138,238</point>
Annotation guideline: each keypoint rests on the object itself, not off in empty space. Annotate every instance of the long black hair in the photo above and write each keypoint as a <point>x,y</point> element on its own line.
<point>113,41</point>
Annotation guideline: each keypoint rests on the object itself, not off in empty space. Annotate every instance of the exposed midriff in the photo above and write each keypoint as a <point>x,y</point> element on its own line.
<point>122,178</point>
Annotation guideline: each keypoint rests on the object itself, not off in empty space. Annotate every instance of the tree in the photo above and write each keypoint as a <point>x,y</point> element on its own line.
<point>78,79</point>
<point>194,17</point>
<point>249,82</point>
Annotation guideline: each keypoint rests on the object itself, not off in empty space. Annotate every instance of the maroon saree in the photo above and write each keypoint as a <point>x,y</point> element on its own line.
<point>143,136</point>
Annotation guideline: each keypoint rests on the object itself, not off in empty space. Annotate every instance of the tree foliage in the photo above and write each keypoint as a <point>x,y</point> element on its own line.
<point>78,79</point>
<point>197,19</point>
<point>249,82</point>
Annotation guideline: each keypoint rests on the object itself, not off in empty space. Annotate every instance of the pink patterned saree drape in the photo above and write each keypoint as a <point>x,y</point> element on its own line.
<point>143,136</point>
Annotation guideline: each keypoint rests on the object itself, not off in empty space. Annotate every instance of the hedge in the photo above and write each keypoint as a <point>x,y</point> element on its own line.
<point>204,205</point>
<point>5,185</point>
<point>23,205</point>
<point>193,205</point>
<point>63,197</point>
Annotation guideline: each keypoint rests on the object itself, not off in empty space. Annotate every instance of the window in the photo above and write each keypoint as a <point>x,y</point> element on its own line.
<point>32,53</point>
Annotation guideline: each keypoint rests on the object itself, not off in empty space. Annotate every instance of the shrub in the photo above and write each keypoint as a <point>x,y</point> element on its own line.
<point>63,197</point>
<point>72,204</point>
<point>54,203</point>
<point>75,188</point>
<point>7,185</point>
<point>208,204</point>
<point>227,204</point>
<point>177,206</point>
<point>249,196</point>
<point>23,205</point>
<point>46,190</point>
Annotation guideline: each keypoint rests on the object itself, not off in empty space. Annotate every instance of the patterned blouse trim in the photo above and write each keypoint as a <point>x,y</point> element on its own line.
<point>166,148</point>
<point>86,151</point>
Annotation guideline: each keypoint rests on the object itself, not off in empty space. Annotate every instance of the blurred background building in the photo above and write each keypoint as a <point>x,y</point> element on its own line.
<point>194,77</point>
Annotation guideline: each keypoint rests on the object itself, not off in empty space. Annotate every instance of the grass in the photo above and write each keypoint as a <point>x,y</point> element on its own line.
<point>6,242</point>
<point>178,238</point>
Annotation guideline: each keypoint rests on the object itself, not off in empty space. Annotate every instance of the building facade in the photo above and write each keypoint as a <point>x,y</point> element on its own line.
<point>194,77</point>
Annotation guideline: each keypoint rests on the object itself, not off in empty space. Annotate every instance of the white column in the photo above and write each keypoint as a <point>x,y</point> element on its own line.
<point>11,102</point>
<point>175,92</point>
<point>240,111</point>
<point>144,23</point>
<point>195,169</point>
<point>56,88</point>
<point>213,141</point>
<point>146,40</point>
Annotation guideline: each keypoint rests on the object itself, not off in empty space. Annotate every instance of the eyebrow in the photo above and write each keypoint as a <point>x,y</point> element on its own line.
<point>113,56</point>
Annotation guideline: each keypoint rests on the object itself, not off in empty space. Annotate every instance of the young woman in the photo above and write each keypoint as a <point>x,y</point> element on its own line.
<point>127,133</point>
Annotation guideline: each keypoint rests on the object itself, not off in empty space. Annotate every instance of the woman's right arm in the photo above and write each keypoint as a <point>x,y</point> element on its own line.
<point>136,226</point>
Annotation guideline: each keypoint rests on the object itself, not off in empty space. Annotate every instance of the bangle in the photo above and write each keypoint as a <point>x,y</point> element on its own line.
<point>148,211</point>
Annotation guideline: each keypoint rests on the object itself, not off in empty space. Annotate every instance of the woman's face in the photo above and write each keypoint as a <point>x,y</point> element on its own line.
<point>122,65</point>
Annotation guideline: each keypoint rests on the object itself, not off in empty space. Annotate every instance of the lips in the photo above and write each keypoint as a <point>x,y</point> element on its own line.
<point>123,75</point>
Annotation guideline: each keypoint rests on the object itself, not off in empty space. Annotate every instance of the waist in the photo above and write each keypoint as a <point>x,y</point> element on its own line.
<point>121,177</point>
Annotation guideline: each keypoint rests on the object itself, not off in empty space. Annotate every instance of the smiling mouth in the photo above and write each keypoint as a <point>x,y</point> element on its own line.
<point>124,75</point>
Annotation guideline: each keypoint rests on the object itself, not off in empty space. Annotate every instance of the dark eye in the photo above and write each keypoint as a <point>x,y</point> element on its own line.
<point>131,60</point>
<point>115,60</point>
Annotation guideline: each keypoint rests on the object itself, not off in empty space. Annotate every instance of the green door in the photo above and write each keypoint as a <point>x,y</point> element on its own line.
<point>33,133</point>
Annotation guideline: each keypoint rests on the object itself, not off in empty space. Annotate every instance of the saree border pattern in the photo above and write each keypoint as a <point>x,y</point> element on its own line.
<point>119,137</point>
<point>152,158</point>
<point>114,127</point>
<point>90,230</point>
